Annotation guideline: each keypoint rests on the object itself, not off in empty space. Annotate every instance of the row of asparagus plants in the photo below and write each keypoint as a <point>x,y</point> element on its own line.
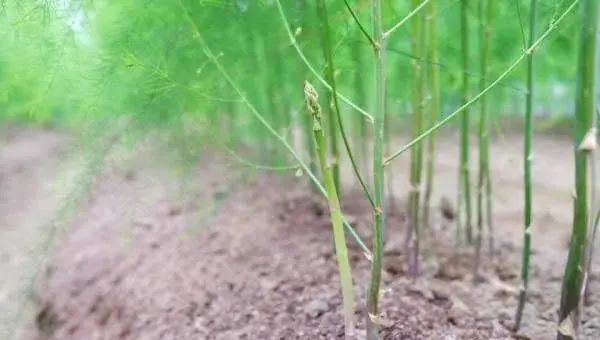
<point>324,129</point>
<point>574,278</point>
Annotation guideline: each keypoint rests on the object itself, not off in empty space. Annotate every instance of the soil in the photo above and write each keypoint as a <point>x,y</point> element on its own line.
<point>154,250</point>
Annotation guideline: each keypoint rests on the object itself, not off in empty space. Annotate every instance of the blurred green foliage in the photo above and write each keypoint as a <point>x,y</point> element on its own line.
<point>71,62</point>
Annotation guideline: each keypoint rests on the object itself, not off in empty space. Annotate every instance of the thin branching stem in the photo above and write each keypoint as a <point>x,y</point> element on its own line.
<point>405,19</point>
<point>433,82</point>
<point>359,24</point>
<point>527,157</point>
<point>330,71</point>
<point>311,68</point>
<point>416,152</point>
<point>475,98</point>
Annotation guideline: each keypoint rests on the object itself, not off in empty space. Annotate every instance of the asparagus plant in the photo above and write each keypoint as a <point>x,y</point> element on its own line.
<point>433,82</point>
<point>464,192</point>
<point>485,15</point>
<point>306,121</point>
<point>341,251</point>
<point>417,150</point>
<point>527,172</point>
<point>379,49</point>
<point>585,144</point>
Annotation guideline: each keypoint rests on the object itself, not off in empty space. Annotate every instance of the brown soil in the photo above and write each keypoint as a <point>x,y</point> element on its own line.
<point>231,254</point>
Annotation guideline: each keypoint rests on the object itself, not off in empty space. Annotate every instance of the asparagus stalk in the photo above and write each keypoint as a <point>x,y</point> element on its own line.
<point>417,150</point>
<point>465,182</point>
<point>379,49</point>
<point>527,172</point>
<point>585,144</point>
<point>341,251</point>
<point>433,76</point>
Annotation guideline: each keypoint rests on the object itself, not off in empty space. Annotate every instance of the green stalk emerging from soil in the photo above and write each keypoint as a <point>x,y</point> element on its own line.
<point>417,150</point>
<point>378,172</point>
<point>341,250</point>
<point>464,192</point>
<point>527,172</point>
<point>485,14</point>
<point>488,177</point>
<point>433,76</point>
<point>585,144</point>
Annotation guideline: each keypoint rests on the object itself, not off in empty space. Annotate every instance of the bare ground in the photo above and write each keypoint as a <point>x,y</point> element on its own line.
<point>230,254</point>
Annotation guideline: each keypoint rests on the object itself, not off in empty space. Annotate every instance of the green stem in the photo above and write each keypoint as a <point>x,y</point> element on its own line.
<point>378,173</point>
<point>341,250</point>
<point>434,84</point>
<point>310,67</point>
<point>337,118</point>
<point>465,182</point>
<point>417,150</point>
<point>585,106</point>
<point>418,7</point>
<point>483,185</point>
<point>527,171</point>
<point>358,23</point>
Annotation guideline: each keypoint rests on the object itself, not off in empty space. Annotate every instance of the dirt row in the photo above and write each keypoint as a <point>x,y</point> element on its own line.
<point>157,250</point>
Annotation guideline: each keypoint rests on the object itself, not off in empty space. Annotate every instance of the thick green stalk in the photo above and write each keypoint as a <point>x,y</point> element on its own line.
<point>527,171</point>
<point>330,108</point>
<point>417,150</point>
<point>483,185</point>
<point>465,182</point>
<point>585,106</point>
<point>341,250</point>
<point>433,76</point>
<point>378,171</point>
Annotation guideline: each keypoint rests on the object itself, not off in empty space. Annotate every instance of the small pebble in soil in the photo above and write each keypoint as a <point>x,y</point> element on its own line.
<point>315,308</point>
